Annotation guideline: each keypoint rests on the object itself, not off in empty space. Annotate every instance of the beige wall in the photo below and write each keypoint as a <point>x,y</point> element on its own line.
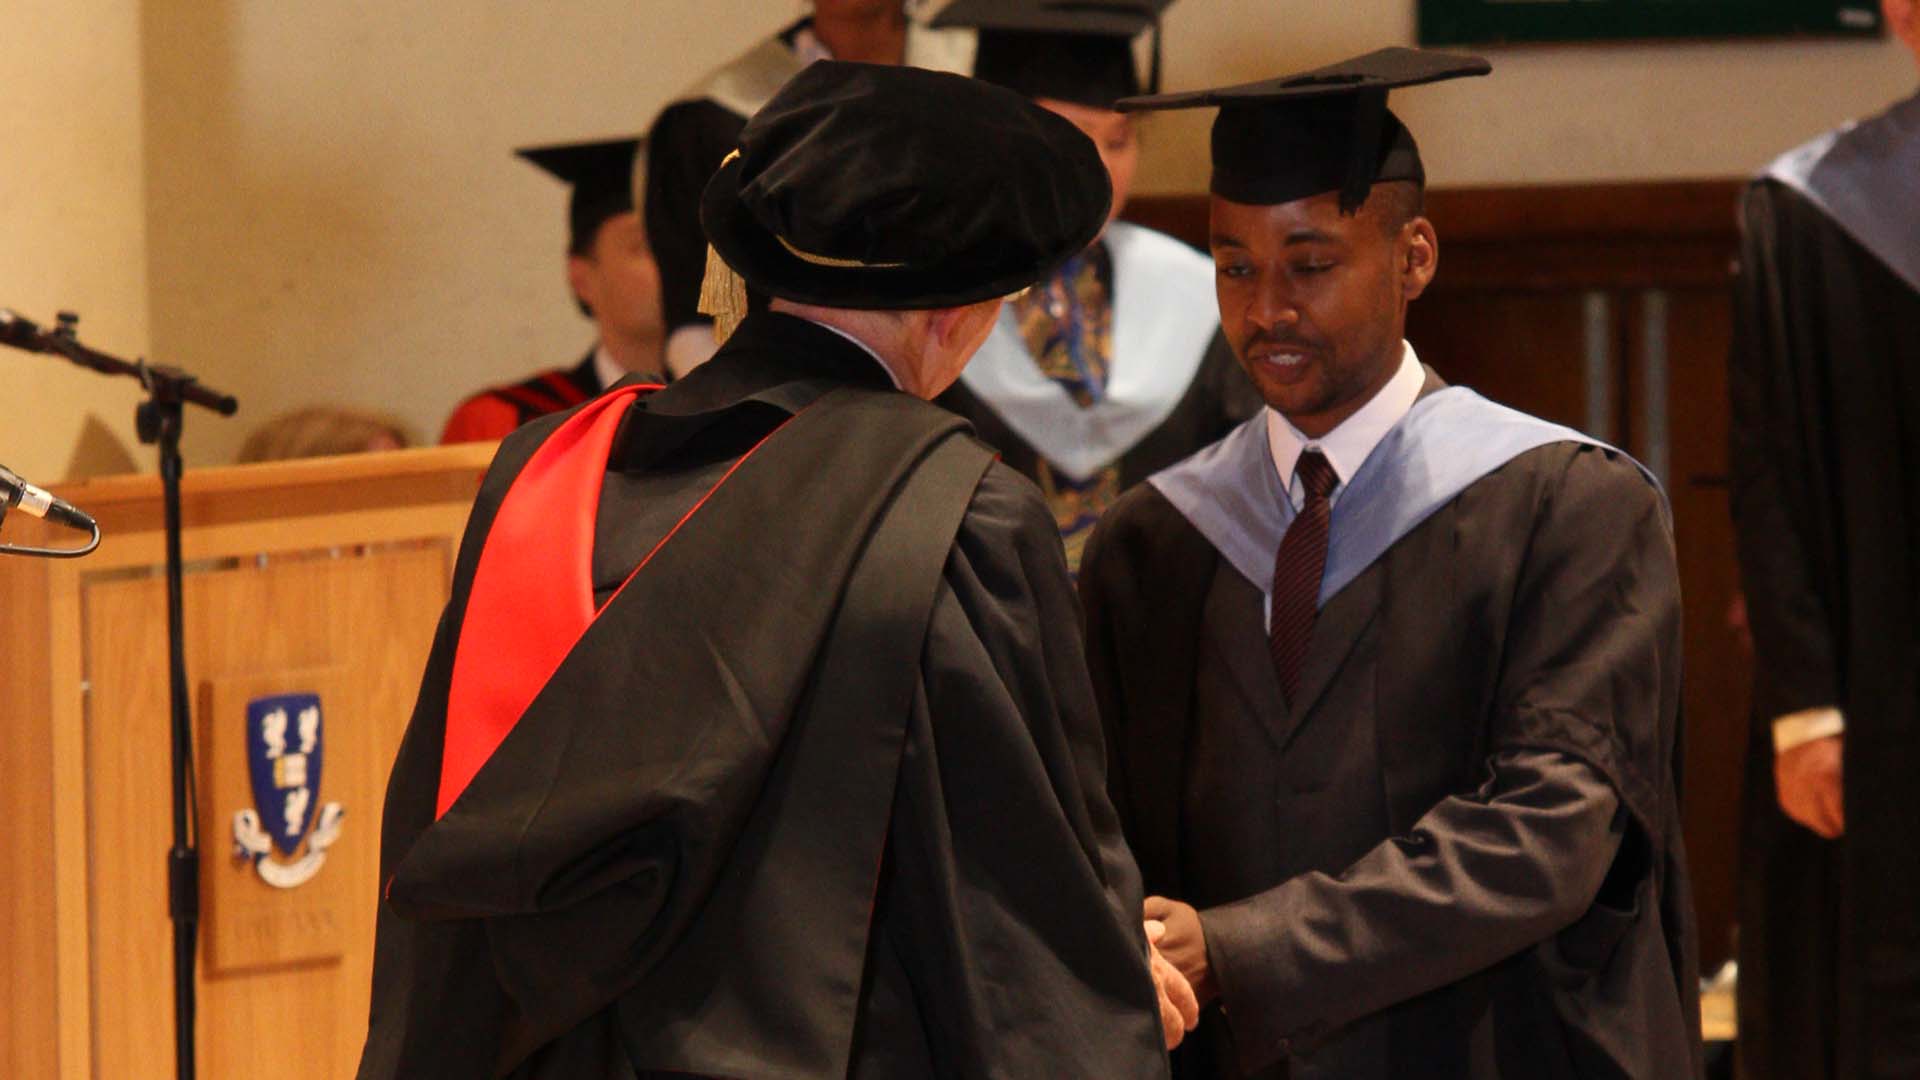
<point>1547,114</point>
<point>336,213</point>
<point>72,232</point>
<point>332,211</point>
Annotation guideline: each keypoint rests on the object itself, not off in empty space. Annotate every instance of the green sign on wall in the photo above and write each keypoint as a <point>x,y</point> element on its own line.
<point>1462,22</point>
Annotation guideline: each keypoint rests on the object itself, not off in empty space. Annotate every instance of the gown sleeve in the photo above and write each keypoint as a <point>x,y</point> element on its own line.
<point>1773,453</point>
<point>1012,908</point>
<point>1479,878</point>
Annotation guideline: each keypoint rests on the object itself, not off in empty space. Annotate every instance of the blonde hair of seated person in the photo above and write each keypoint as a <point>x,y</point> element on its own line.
<point>321,431</point>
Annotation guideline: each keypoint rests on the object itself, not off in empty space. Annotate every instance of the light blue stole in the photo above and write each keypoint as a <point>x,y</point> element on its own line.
<point>1451,438</point>
<point>1164,317</point>
<point>1866,178</point>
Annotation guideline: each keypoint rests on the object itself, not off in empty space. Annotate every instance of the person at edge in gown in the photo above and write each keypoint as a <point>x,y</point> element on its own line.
<point>610,270</point>
<point>1390,674</point>
<point>1114,368</point>
<point>702,125</point>
<point>1825,386</point>
<point>757,739</point>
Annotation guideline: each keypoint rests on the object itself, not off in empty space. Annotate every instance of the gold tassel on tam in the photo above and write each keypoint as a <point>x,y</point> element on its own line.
<point>723,295</point>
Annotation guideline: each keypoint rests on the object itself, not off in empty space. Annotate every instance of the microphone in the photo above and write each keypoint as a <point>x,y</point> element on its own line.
<point>20,332</point>
<point>41,504</point>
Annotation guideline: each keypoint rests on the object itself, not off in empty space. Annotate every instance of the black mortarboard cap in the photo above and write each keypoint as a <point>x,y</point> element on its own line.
<point>886,188</point>
<point>601,175</point>
<point>1069,50</point>
<point>1323,130</point>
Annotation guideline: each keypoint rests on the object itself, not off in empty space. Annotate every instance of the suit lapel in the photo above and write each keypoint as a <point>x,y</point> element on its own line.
<point>1232,631</point>
<point>1338,628</point>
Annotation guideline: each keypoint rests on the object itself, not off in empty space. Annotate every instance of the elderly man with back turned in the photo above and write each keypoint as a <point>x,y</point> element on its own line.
<point>1825,382</point>
<point>757,740</point>
<point>1391,672</point>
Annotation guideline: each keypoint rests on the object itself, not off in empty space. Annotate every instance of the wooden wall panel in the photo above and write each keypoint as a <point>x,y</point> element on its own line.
<point>1518,348</point>
<point>1719,669</point>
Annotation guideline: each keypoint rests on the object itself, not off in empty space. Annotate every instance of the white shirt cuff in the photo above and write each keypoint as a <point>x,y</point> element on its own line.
<point>1797,729</point>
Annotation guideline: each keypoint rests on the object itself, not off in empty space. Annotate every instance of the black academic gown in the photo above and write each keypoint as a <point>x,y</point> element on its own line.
<point>685,146</point>
<point>1217,400</point>
<point>1825,382</point>
<point>1458,853</point>
<point>1000,935</point>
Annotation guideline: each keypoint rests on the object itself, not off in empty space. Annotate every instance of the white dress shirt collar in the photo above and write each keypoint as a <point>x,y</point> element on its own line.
<point>1346,447</point>
<point>808,47</point>
<point>864,347</point>
<point>606,368</point>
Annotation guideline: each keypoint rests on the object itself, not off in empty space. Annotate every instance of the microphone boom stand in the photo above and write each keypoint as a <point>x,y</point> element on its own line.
<point>158,421</point>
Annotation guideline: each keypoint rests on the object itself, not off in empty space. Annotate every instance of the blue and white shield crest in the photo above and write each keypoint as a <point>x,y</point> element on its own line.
<point>284,755</point>
<point>285,750</point>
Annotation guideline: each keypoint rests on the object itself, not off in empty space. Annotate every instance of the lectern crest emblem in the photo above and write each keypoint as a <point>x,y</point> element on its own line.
<point>285,753</point>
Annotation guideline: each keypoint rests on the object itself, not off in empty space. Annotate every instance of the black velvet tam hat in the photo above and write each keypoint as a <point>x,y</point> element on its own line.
<point>1323,130</point>
<point>1068,50</point>
<point>892,188</point>
<point>601,175</point>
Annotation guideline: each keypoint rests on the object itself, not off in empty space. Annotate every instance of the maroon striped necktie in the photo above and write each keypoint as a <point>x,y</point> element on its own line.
<point>1297,570</point>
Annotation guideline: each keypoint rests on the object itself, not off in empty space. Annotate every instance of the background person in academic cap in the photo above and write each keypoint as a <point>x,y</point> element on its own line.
<point>1825,383</point>
<point>757,739</point>
<point>1391,673</point>
<point>610,270</point>
<point>690,136</point>
<point>1114,367</point>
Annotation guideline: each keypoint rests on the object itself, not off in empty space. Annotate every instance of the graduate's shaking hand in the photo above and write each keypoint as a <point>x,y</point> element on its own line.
<point>1179,1008</point>
<point>1184,944</point>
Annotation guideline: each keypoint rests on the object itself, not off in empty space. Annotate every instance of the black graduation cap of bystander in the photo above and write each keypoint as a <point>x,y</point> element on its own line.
<point>601,175</point>
<point>1079,51</point>
<point>1323,130</point>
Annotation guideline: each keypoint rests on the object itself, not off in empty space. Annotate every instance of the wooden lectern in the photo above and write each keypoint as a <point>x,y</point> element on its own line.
<point>312,592</point>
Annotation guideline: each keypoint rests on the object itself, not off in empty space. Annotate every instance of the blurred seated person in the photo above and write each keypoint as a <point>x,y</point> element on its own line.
<point>323,431</point>
<point>702,125</point>
<point>614,280</point>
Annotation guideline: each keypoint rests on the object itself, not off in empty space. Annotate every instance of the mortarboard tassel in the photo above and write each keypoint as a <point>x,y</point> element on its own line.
<point>723,295</point>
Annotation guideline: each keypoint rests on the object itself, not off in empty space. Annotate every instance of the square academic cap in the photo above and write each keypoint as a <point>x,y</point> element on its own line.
<point>1069,50</point>
<point>601,176</point>
<point>1323,130</point>
<point>879,187</point>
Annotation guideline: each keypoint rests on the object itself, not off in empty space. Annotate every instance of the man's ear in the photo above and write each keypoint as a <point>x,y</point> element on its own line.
<point>581,279</point>
<point>1419,255</point>
<point>945,326</point>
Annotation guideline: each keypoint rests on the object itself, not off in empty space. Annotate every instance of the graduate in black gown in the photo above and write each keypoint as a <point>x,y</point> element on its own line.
<point>614,280</point>
<point>1391,673</point>
<point>1825,382</point>
<point>1113,368</point>
<point>702,125</point>
<point>757,739</point>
